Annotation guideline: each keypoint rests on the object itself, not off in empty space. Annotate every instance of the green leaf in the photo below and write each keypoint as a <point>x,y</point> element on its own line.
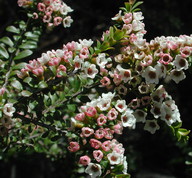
<point>98,44</point>
<point>183,132</point>
<point>127,6</point>
<point>118,35</point>
<point>28,45</point>
<point>26,93</point>
<point>22,25</point>
<point>3,52</point>
<point>123,176</point>
<point>188,162</point>
<point>31,35</point>
<point>42,84</point>
<point>27,80</point>
<point>23,54</point>
<point>19,66</point>
<point>71,107</point>
<point>136,5</point>
<point>16,84</point>
<point>105,45</point>
<point>13,29</point>
<point>11,50</point>
<point>111,32</point>
<point>7,41</point>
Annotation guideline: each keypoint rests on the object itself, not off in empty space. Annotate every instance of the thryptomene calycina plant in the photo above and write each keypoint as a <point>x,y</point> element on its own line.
<point>79,99</point>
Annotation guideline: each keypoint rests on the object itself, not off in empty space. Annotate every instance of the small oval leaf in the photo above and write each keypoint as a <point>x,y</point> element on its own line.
<point>3,52</point>
<point>23,54</point>
<point>26,93</point>
<point>6,40</point>
<point>13,29</point>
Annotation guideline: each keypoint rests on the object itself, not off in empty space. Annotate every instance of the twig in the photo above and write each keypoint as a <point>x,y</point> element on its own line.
<point>49,127</point>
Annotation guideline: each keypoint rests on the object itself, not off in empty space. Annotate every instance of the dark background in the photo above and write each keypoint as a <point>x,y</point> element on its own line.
<point>149,156</point>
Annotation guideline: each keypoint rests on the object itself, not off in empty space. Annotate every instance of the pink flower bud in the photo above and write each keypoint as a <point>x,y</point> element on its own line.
<point>35,15</point>
<point>84,53</point>
<point>95,143</point>
<point>105,81</point>
<point>84,160</point>
<point>86,131</point>
<point>100,133</point>
<point>108,133</point>
<point>118,128</point>
<point>54,61</point>
<point>41,7</point>
<point>38,71</point>
<point>98,155</point>
<point>59,69</point>
<point>91,112</point>
<point>80,117</point>
<point>106,146</point>
<point>101,120</point>
<point>57,21</point>
<point>74,146</point>
<point>112,114</point>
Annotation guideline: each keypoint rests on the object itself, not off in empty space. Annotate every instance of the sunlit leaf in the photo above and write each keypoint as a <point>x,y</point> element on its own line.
<point>7,41</point>
<point>23,54</point>
<point>3,52</point>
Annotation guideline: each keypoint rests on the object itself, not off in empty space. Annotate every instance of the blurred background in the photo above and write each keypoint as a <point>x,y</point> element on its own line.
<point>149,156</point>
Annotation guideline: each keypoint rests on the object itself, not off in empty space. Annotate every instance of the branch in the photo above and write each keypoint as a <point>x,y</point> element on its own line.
<point>49,127</point>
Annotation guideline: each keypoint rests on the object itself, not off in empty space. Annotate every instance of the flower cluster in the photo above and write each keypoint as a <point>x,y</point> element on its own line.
<point>50,12</point>
<point>101,119</point>
<point>57,63</point>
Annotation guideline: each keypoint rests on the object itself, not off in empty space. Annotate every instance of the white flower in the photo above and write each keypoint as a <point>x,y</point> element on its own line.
<point>138,16</point>
<point>121,105</point>
<point>180,63</point>
<point>104,104</point>
<point>101,60</point>
<point>125,73</point>
<point>91,71</point>
<point>94,170</point>
<point>115,158</point>
<point>86,43</point>
<point>159,94</point>
<point>8,109</point>
<point>140,115</point>
<point>137,25</point>
<point>151,126</point>
<point>151,75</point>
<point>108,95</point>
<point>161,70</point>
<point>64,9</point>
<point>77,62</point>
<point>118,16</point>
<point>170,112</point>
<point>156,109</point>
<point>128,119</point>
<point>67,21</point>
<point>177,75</point>
<point>59,53</point>
<point>44,59</point>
